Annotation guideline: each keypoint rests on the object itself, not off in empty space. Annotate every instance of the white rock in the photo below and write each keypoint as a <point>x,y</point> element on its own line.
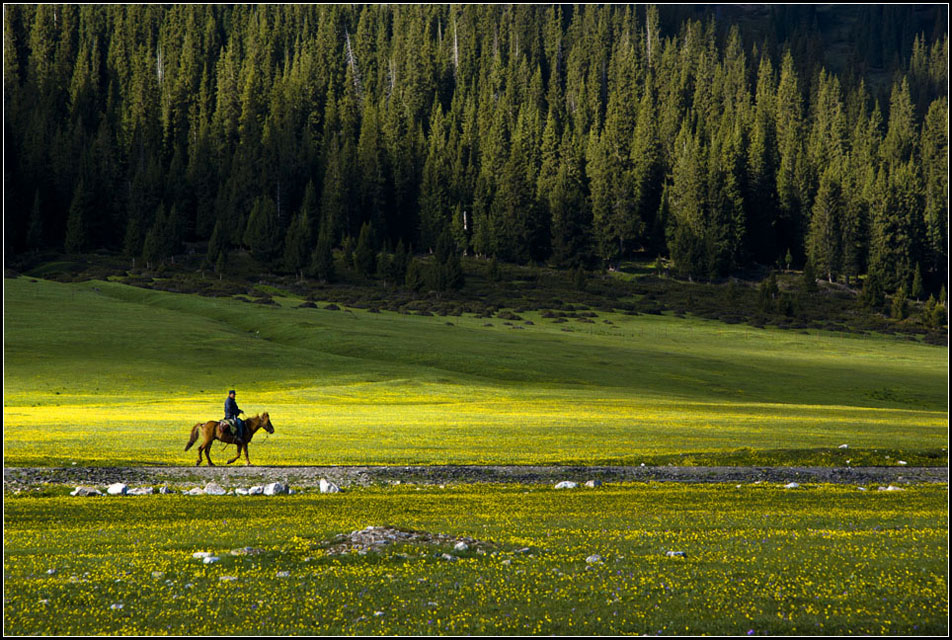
<point>256,491</point>
<point>591,484</point>
<point>891,488</point>
<point>901,462</point>
<point>449,558</point>
<point>676,554</point>
<point>214,489</point>
<point>274,489</point>
<point>593,559</point>
<point>195,491</point>
<point>86,491</point>
<point>844,446</point>
<point>284,574</point>
<point>141,491</point>
<point>792,485</point>
<point>227,578</point>
<point>165,490</point>
<point>241,491</point>
<point>117,606</point>
<point>117,489</point>
<point>861,488</point>
<point>461,546</point>
<point>566,484</point>
<point>210,559</point>
<point>329,487</point>
<point>198,555</point>
<point>158,574</point>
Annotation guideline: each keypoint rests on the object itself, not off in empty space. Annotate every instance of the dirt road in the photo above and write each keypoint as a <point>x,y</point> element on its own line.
<point>308,477</point>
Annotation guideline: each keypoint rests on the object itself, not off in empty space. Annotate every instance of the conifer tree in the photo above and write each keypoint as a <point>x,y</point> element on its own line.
<point>262,234</point>
<point>823,239</point>
<point>365,254</point>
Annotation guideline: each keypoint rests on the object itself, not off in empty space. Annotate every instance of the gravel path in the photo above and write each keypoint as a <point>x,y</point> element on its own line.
<point>22,477</point>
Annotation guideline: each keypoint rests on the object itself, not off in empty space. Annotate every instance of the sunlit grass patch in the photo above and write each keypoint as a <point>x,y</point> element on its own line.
<point>100,372</point>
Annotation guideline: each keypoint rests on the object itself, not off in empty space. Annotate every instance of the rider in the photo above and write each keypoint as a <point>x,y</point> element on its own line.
<point>232,411</point>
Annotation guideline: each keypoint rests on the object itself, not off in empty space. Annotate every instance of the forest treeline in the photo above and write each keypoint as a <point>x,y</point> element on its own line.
<point>573,135</point>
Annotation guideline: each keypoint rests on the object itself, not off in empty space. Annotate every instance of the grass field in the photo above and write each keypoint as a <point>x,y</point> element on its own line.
<point>101,373</point>
<point>758,560</point>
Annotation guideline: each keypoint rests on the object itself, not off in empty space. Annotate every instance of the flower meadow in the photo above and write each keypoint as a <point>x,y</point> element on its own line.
<point>657,558</point>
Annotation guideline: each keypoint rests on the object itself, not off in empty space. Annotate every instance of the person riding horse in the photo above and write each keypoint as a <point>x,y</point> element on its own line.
<point>231,413</point>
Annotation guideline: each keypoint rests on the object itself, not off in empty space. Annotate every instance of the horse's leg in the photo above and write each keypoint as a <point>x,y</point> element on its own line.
<point>201,448</point>
<point>208,447</point>
<point>237,454</point>
<point>246,454</point>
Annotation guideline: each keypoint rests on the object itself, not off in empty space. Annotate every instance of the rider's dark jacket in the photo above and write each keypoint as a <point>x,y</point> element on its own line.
<point>231,408</point>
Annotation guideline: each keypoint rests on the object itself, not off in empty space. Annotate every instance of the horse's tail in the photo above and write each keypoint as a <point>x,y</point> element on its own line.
<point>194,436</point>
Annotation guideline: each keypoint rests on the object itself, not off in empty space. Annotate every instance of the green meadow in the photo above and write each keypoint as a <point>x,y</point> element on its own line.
<point>755,560</point>
<point>101,373</point>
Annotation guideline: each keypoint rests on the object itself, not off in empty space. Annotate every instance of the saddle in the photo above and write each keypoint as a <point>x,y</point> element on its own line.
<point>228,426</point>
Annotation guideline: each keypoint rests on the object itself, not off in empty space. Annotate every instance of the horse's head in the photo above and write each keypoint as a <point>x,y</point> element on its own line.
<point>266,422</point>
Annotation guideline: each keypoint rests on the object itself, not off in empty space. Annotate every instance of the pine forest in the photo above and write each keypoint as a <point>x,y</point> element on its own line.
<point>718,138</point>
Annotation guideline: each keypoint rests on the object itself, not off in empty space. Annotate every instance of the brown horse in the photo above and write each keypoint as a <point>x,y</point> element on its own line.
<point>209,431</point>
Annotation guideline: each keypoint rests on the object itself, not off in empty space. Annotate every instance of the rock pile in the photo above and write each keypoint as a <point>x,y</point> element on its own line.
<point>377,539</point>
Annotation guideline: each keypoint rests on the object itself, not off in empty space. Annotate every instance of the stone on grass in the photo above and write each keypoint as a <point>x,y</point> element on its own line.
<point>85,492</point>
<point>274,489</point>
<point>284,574</point>
<point>566,484</point>
<point>792,485</point>
<point>591,484</point>
<point>594,558</point>
<point>461,546</point>
<point>675,554</point>
<point>256,491</point>
<point>214,489</point>
<point>117,489</point>
<point>210,559</point>
<point>329,487</point>
<point>141,491</point>
<point>241,491</point>
<point>891,488</point>
<point>198,555</point>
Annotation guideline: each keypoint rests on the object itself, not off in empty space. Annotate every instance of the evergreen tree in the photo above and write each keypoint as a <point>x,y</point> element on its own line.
<point>297,243</point>
<point>261,234</point>
<point>365,254</point>
<point>77,225</point>
<point>322,258</point>
<point>823,239</point>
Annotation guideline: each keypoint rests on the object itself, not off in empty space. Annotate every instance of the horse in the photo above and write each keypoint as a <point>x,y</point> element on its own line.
<point>209,431</point>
